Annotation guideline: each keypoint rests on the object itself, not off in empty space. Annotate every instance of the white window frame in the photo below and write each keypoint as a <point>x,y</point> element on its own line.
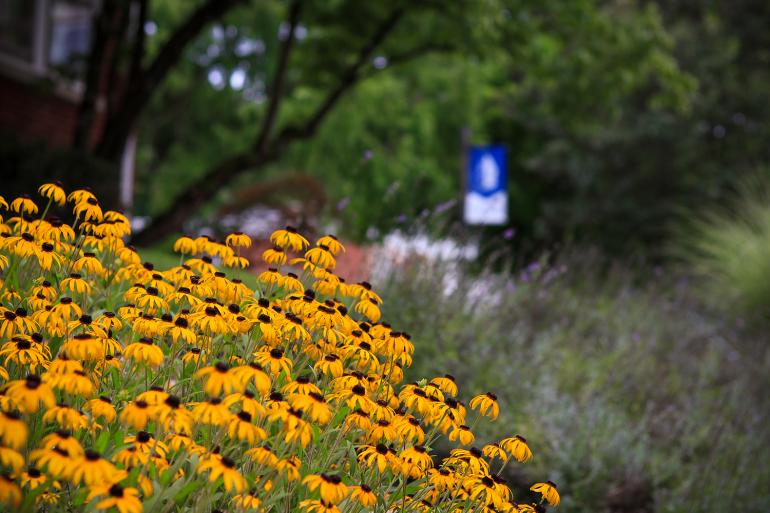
<point>23,69</point>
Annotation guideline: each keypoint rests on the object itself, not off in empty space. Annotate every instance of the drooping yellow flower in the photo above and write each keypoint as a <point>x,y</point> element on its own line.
<point>330,487</point>
<point>288,238</point>
<point>548,491</point>
<point>54,192</point>
<point>238,240</point>
<point>220,379</point>
<point>486,404</point>
<point>517,447</point>
<point>29,393</point>
<point>224,468</point>
<point>124,499</point>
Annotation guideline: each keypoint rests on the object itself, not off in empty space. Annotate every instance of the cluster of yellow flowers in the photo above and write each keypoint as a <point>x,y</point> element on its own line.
<point>129,387</point>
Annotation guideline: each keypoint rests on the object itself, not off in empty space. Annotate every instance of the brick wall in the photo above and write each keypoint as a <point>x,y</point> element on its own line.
<point>35,113</point>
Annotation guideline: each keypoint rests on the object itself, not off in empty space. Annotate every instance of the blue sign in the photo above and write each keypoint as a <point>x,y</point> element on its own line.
<point>486,198</point>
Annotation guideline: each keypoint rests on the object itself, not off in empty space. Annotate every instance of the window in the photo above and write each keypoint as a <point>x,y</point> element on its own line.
<point>17,19</point>
<point>70,36</point>
<point>38,36</point>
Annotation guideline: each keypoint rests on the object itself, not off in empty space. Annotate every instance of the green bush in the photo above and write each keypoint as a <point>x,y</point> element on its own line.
<point>727,248</point>
<point>645,403</point>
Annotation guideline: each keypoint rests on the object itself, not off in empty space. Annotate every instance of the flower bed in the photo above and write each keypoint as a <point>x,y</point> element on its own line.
<point>134,388</point>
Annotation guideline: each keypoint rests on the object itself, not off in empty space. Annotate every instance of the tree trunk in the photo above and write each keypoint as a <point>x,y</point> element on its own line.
<point>142,86</point>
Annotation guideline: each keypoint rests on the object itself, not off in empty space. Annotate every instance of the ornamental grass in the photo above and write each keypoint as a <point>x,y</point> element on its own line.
<point>131,388</point>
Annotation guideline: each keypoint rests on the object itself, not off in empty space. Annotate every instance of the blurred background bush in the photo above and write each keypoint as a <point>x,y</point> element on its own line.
<point>633,394</point>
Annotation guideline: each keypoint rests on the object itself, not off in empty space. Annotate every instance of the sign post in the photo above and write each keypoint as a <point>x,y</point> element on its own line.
<point>486,194</point>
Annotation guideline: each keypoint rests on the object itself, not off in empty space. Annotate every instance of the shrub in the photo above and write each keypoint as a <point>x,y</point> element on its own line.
<point>133,388</point>
<point>645,402</point>
<point>726,248</point>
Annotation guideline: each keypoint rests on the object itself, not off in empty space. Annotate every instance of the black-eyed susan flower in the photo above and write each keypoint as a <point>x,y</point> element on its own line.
<point>89,210</point>
<point>240,427</point>
<point>63,439</point>
<point>212,412</point>
<point>224,468</point>
<point>492,451</point>
<point>23,353</point>
<point>408,429</point>
<point>274,361</point>
<point>53,192</point>
<point>483,489</point>
<point>220,379</point>
<point>363,495</point>
<point>415,461</point>
<point>247,501</point>
<point>185,245</point>
<point>11,459</point>
<point>321,257</point>
<point>247,401</point>
<point>274,256</point>
<point>124,499</point>
<point>135,414</point>
<point>23,204</point>
<point>486,404</point>
<point>75,283</point>
<point>171,414</point>
<point>66,417</point>
<point>75,383</point>
<point>318,506</point>
<point>32,478</point>
<point>238,240</point>
<point>145,351</point>
<point>462,434</point>
<point>13,430</point>
<point>211,321</point>
<point>288,238</point>
<point>263,455</point>
<point>301,385</point>
<point>548,491</point>
<point>10,493</point>
<point>28,394</point>
<point>181,331</point>
<point>56,461</point>
<point>330,487</point>
<point>377,456</point>
<point>517,447</point>
<point>314,405</point>
<point>332,244</point>
<point>330,364</point>
<point>92,469</point>
<point>470,461</point>
<point>289,467</point>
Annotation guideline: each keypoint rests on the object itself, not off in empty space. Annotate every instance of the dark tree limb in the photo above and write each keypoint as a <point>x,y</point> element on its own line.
<point>277,88</point>
<point>144,85</point>
<point>112,88</point>
<point>102,27</point>
<point>137,52</point>
<point>206,187</point>
<point>347,80</point>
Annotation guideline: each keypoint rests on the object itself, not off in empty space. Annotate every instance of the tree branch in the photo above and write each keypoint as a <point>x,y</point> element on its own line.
<point>279,78</point>
<point>412,54</point>
<point>144,84</point>
<point>102,28</point>
<point>112,87</point>
<point>137,52</point>
<point>195,196</point>
<point>348,79</point>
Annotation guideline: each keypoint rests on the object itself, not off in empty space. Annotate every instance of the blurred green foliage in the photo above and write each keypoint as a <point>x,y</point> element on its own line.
<point>603,106</point>
<point>632,398</point>
<point>725,247</point>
